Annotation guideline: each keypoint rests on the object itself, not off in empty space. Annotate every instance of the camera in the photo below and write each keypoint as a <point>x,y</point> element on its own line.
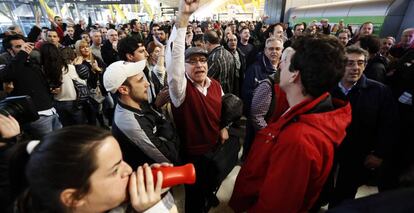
<point>20,107</point>
<point>175,175</point>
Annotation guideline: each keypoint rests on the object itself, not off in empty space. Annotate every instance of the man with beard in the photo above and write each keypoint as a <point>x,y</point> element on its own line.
<point>163,33</point>
<point>139,130</point>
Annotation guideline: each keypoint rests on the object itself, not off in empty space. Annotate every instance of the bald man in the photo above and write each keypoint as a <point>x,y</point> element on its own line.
<point>109,48</point>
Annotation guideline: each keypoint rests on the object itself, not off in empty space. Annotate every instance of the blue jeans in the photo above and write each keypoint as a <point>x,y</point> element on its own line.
<point>43,125</point>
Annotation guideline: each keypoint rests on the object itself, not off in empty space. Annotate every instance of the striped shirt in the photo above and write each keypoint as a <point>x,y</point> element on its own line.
<point>221,66</point>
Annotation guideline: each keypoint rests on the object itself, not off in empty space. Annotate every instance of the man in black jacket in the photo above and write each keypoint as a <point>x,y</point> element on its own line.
<point>69,39</point>
<point>368,143</point>
<point>136,30</point>
<point>239,60</point>
<point>376,64</point>
<point>29,79</point>
<point>109,48</point>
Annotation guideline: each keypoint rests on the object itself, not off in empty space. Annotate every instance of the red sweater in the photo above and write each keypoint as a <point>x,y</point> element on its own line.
<point>198,118</point>
<point>290,159</point>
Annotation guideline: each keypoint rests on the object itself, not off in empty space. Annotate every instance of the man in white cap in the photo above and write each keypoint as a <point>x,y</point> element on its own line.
<point>143,134</point>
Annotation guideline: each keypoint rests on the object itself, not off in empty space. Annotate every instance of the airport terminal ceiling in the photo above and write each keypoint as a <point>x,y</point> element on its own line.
<point>149,8</point>
<point>143,7</point>
<point>22,12</point>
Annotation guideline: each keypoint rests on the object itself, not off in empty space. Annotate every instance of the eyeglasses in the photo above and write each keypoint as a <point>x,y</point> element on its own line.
<point>194,62</point>
<point>273,49</point>
<point>351,63</point>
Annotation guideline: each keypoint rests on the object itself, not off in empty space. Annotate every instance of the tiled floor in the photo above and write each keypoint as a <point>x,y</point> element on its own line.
<point>225,191</point>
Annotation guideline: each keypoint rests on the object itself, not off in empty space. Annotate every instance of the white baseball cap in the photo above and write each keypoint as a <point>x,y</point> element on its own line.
<point>116,73</point>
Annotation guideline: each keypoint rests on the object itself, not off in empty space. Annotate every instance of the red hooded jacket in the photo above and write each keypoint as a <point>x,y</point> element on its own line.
<point>290,159</point>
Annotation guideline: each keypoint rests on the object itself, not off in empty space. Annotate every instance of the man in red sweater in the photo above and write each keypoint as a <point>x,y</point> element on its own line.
<point>196,103</point>
<point>291,158</point>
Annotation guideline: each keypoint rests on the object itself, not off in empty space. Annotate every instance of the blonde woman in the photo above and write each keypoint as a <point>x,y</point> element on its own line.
<point>94,77</point>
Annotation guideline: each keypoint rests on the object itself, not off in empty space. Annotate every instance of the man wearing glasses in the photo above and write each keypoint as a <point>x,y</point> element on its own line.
<point>196,103</point>
<point>366,147</point>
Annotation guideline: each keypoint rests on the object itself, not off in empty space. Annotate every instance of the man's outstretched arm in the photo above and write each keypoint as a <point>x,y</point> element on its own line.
<point>174,55</point>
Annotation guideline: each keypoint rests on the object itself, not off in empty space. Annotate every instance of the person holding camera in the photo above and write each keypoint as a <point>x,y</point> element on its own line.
<point>88,173</point>
<point>9,129</point>
<point>28,79</point>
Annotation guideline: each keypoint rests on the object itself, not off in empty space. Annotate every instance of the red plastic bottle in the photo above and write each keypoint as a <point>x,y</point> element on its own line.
<point>175,175</point>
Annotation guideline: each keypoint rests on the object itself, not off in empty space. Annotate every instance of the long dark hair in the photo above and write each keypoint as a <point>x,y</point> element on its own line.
<point>64,159</point>
<point>52,63</point>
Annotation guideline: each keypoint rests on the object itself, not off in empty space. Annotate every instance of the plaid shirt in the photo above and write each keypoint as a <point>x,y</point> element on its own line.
<point>221,66</point>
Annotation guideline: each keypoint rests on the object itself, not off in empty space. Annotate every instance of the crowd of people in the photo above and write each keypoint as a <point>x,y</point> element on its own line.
<point>327,109</point>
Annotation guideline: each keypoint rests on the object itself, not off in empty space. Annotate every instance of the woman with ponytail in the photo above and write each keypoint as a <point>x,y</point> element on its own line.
<point>80,169</point>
